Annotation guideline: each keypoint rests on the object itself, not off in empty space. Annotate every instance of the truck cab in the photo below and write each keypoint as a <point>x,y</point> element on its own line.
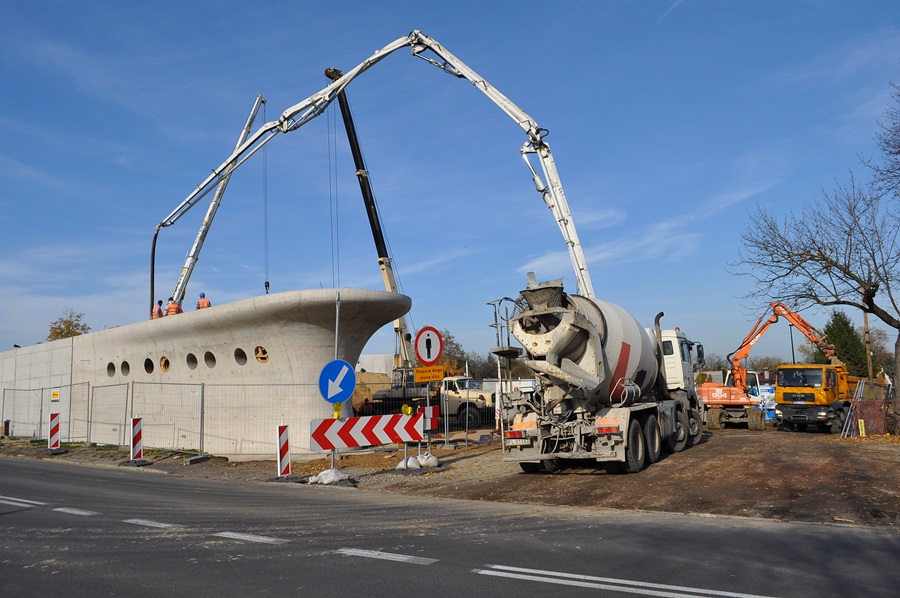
<point>463,397</point>
<point>679,368</point>
<point>812,394</point>
<point>403,391</point>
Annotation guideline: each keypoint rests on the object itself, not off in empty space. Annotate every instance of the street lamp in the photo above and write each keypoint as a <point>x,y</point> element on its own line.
<point>791,328</point>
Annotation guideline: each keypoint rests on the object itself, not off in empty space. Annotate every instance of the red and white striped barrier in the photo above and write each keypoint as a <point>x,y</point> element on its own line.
<point>137,440</point>
<point>53,439</point>
<point>353,432</point>
<point>431,416</point>
<point>284,451</point>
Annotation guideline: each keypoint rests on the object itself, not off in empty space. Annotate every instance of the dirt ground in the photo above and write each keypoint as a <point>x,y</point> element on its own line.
<point>790,476</point>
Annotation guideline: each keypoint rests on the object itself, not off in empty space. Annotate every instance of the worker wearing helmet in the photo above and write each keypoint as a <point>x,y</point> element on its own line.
<point>204,302</point>
<point>173,307</point>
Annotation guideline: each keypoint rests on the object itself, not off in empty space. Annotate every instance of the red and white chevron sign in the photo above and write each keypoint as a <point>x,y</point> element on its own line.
<point>328,434</point>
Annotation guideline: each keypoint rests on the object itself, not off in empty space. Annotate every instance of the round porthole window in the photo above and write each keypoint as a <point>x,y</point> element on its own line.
<point>164,363</point>
<point>209,359</point>
<point>125,368</point>
<point>240,357</point>
<point>191,361</point>
<point>262,355</point>
<point>148,365</point>
<point>110,369</point>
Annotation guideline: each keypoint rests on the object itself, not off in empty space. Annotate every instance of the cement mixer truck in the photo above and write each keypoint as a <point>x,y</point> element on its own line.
<point>611,391</point>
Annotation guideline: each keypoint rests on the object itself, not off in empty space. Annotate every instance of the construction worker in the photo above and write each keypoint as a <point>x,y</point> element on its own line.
<point>204,302</point>
<point>157,310</point>
<point>173,308</point>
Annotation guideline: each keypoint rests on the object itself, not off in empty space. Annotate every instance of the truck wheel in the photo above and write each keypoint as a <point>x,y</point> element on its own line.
<point>612,467</point>
<point>714,419</point>
<point>695,427</point>
<point>468,417</point>
<point>837,424</point>
<point>676,442</point>
<point>550,465</point>
<point>652,439</point>
<point>634,452</point>
<point>756,419</point>
<point>530,467</point>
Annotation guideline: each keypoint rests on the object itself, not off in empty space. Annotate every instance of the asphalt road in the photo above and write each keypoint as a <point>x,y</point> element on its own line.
<point>78,531</point>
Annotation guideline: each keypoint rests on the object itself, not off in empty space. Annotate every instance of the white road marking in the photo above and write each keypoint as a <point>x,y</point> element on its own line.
<point>148,523</point>
<point>251,538</point>
<point>606,583</point>
<point>75,511</point>
<point>388,556</point>
<point>20,502</point>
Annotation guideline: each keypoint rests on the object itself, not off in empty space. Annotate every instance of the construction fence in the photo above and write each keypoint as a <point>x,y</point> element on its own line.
<point>227,419</point>
<point>873,410</point>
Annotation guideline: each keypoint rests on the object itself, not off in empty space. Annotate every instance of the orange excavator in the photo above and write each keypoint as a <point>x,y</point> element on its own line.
<point>738,399</point>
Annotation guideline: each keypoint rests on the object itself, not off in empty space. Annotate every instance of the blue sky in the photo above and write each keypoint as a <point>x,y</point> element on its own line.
<point>669,121</point>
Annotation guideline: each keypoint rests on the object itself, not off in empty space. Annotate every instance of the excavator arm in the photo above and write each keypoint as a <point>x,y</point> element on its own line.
<point>422,46</point>
<point>739,372</point>
<point>813,335</point>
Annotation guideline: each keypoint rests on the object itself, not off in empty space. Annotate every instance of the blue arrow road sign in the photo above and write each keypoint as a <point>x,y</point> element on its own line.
<point>337,381</point>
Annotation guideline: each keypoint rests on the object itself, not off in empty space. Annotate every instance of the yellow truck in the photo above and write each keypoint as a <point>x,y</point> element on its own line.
<point>813,393</point>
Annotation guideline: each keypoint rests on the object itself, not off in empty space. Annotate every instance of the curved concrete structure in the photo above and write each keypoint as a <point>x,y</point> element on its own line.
<point>220,379</point>
<point>282,338</point>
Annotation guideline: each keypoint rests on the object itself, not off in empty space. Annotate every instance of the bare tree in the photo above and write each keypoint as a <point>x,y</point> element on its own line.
<point>886,173</point>
<point>842,250</point>
<point>67,325</point>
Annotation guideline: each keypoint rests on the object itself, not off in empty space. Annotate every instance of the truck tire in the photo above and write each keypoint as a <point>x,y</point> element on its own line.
<point>695,427</point>
<point>652,439</point>
<point>468,417</point>
<point>612,467</point>
<point>837,424</point>
<point>714,419</point>
<point>634,452</point>
<point>530,467</point>
<point>756,419</point>
<point>550,465</point>
<point>677,440</point>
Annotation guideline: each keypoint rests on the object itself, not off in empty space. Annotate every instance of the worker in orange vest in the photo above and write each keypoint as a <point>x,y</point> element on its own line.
<point>173,308</point>
<point>204,302</point>
<point>157,311</point>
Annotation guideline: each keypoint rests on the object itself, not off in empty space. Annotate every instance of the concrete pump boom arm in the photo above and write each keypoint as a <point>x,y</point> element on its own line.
<point>301,113</point>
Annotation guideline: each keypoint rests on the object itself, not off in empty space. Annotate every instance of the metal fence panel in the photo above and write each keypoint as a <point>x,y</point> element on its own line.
<point>243,419</point>
<point>79,406</point>
<point>108,415</point>
<point>196,418</point>
<point>869,409</point>
<point>23,409</point>
<point>171,414</point>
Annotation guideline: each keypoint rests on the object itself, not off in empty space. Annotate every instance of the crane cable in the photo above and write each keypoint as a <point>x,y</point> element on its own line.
<point>266,208</point>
